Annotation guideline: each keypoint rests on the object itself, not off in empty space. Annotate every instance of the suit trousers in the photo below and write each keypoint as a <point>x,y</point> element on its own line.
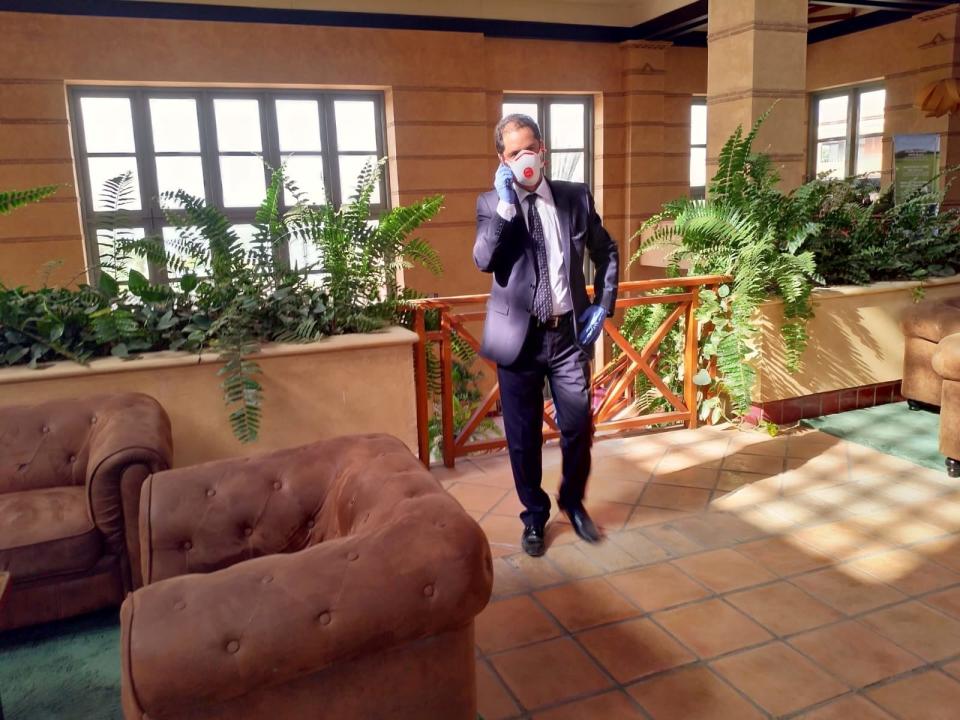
<point>552,354</point>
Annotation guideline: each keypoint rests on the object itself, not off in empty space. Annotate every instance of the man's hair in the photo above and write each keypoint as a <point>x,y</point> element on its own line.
<point>515,119</point>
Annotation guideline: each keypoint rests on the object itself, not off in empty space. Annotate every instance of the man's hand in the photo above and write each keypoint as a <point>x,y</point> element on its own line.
<point>503,183</point>
<point>591,323</point>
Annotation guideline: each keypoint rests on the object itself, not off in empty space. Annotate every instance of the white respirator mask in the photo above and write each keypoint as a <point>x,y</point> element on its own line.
<point>527,167</point>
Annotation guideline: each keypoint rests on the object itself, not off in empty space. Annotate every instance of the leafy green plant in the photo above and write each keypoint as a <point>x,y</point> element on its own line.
<point>10,200</point>
<point>748,229</point>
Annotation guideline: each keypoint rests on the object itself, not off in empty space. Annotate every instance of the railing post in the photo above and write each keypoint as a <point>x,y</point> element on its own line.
<point>691,356</point>
<point>421,383</point>
<point>446,389</point>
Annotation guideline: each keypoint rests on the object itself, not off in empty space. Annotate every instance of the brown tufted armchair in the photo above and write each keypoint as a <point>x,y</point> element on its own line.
<point>70,478</point>
<point>336,580</point>
<point>924,326</point>
<point>946,363</point>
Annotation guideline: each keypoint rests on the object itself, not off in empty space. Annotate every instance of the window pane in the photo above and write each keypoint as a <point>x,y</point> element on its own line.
<point>105,168</point>
<point>832,118</point>
<point>243,181</point>
<point>871,112</point>
<point>523,108</point>
<point>350,167</point>
<point>698,124</point>
<point>175,127</point>
<point>106,241</point>
<point>198,267</point>
<point>306,172</point>
<point>869,155</point>
<point>831,156</point>
<point>698,167</point>
<point>566,166</point>
<point>303,254</point>
<point>180,173</point>
<point>566,126</point>
<point>298,122</point>
<point>356,125</point>
<point>238,125</point>
<point>246,233</point>
<point>107,124</point>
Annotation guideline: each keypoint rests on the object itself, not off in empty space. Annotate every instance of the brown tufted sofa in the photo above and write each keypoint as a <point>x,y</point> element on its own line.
<point>946,363</point>
<point>924,326</point>
<point>70,478</point>
<point>336,580</point>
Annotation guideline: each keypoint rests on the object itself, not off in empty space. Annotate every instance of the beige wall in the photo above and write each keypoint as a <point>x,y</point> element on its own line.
<point>310,392</point>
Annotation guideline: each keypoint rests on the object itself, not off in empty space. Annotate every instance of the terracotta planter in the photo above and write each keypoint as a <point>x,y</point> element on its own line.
<point>339,385</point>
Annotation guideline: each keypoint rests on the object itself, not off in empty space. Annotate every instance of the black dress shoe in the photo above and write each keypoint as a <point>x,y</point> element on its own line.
<point>582,524</point>
<point>534,540</point>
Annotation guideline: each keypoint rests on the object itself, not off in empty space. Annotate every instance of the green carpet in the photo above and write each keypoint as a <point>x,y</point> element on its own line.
<point>893,429</point>
<point>68,670</point>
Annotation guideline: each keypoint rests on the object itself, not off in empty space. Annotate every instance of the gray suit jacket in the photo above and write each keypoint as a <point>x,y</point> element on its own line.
<point>505,249</point>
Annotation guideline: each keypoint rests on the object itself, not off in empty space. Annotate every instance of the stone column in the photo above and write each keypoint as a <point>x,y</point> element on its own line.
<point>757,54</point>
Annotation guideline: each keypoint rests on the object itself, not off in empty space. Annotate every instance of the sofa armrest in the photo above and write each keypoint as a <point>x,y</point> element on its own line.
<point>946,360</point>
<point>194,640</point>
<point>130,439</point>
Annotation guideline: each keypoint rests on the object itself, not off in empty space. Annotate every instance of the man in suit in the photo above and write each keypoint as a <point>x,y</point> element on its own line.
<point>532,236</point>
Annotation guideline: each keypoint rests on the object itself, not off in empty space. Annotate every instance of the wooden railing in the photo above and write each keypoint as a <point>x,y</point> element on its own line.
<point>614,379</point>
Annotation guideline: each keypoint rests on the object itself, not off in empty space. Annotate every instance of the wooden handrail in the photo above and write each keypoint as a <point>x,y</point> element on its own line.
<point>616,380</point>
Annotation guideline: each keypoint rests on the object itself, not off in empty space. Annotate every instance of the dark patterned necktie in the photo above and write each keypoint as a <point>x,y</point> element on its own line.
<point>542,297</point>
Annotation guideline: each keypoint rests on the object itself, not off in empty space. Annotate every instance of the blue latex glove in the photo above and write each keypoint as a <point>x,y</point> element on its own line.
<point>591,324</point>
<point>503,183</point>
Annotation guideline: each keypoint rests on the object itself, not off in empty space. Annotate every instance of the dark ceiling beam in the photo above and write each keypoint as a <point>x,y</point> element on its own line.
<point>902,6</point>
<point>861,22</point>
<point>673,24</point>
<point>830,18</point>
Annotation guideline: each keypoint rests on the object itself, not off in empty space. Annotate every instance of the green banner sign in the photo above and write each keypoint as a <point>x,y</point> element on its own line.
<point>916,161</point>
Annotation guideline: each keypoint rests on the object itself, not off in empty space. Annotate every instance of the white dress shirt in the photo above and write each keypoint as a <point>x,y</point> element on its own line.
<point>559,286</point>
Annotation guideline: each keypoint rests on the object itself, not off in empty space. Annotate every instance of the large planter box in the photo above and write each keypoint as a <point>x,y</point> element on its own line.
<point>339,385</point>
<point>855,339</point>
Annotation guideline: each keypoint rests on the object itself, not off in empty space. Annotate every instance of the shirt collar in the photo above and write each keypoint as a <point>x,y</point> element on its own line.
<point>543,190</point>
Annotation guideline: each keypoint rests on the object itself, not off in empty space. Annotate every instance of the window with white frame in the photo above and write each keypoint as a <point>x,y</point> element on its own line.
<point>565,122</point>
<point>219,145</point>
<point>698,147</point>
<point>847,132</point>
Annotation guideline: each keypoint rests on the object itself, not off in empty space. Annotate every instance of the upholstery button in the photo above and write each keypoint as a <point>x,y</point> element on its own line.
<point>186,545</point>
<point>267,579</point>
<point>324,618</point>
<point>211,492</point>
<point>310,524</point>
<point>277,485</point>
<point>248,531</point>
<point>352,556</point>
<point>233,646</point>
<point>180,605</point>
<point>45,429</point>
<point>93,420</point>
<point>428,590</point>
<point>73,458</point>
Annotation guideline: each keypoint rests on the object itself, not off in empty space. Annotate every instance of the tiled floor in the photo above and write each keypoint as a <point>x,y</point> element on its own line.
<point>742,577</point>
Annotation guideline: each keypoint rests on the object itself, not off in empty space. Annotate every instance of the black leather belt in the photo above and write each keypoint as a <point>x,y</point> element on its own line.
<point>552,322</point>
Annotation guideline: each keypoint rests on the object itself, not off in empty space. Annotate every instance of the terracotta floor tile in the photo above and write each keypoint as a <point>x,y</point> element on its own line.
<point>715,529</point>
<point>507,580</point>
<point>505,624</point>
<point>773,447</point>
<point>673,497</point>
<point>586,603</point>
<point>510,505</point>
<point>549,672</point>
<point>783,608</point>
<point>608,555</point>
<point>503,531</point>
<point>667,536</point>
<point>778,678</point>
<point>712,628</point>
<point>747,462</point>
<point>537,572</point>
<point>854,653</point>
<point>560,533</point>
<point>572,562</point>
<point>634,649</point>
<point>693,693</point>
<point>657,587</point>
<point>618,491</point>
<point>833,538</point>
<point>946,600</point>
<point>847,589</point>
<point>493,700</point>
<point>609,706</point>
<point>784,557</point>
<point>632,469</point>
<point>918,628</point>
<point>724,570</point>
<point>684,457</point>
<point>812,444</point>
<point>699,477</point>
<point>476,497</point>
<point>928,696</point>
<point>609,516</point>
<point>907,571</point>
<point>639,547</point>
<point>953,669</point>
<point>733,479</point>
<point>848,708</point>
<point>643,516</point>
<point>945,551</point>
<point>899,526</point>
<point>798,509</point>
